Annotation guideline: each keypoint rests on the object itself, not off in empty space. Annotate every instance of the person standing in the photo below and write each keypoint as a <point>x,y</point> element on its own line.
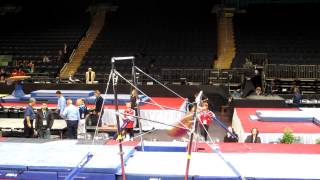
<point>134,100</point>
<point>83,110</point>
<point>296,100</point>
<point>205,120</point>
<point>61,103</point>
<point>98,109</point>
<point>254,137</point>
<point>29,116</point>
<point>90,76</point>
<point>44,122</point>
<point>72,117</point>
<point>128,120</point>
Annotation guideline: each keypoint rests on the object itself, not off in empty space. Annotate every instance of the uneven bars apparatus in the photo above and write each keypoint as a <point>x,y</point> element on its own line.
<point>114,84</point>
<point>134,82</point>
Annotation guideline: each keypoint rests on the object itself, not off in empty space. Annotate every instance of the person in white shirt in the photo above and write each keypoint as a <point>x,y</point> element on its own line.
<point>45,59</point>
<point>90,76</point>
<point>72,116</point>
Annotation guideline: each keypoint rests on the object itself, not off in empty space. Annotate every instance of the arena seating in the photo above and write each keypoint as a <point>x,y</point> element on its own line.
<point>288,34</point>
<point>39,29</point>
<point>162,33</point>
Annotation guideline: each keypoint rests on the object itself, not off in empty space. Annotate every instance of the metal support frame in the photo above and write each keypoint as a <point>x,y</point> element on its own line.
<point>114,84</point>
<point>134,82</point>
<point>119,138</point>
<point>195,127</point>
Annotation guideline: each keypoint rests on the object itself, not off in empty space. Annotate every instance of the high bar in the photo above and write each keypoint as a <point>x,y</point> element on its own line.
<point>122,58</point>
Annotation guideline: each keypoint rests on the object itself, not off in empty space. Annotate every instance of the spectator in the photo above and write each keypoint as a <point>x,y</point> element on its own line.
<point>90,76</point>
<point>58,80</point>
<point>296,97</point>
<point>21,72</point>
<point>65,48</point>
<point>72,79</point>
<point>258,91</point>
<point>254,137</point>
<point>3,74</point>
<point>230,137</point>
<point>45,59</point>
<point>30,67</point>
<point>14,72</point>
<point>248,64</point>
<point>17,63</point>
<point>60,58</point>
<point>72,117</point>
<point>23,64</point>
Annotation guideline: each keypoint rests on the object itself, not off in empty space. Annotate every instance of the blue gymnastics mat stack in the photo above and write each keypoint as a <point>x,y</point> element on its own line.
<point>49,96</point>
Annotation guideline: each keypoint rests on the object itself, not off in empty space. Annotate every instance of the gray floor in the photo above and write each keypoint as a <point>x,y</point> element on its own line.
<point>215,131</point>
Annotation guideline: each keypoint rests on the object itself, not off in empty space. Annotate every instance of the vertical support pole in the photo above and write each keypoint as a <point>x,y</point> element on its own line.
<point>195,126</point>
<point>119,138</point>
<point>134,82</point>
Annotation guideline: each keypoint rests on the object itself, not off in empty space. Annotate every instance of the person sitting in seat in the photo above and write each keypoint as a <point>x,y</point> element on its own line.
<point>90,76</point>
<point>3,74</point>
<point>254,137</point>
<point>21,72</point>
<point>45,59</point>
<point>258,91</point>
<point>230,137</point>
<point>72,79</point>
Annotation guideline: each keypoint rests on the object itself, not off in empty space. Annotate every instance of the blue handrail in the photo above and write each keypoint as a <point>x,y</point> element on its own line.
<point>79,167</point>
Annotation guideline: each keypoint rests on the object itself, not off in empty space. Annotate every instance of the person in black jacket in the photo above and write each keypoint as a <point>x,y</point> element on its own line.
<point>44,121</point>
<point>254,137</point>
<point>134,100</point>
<point>98,110</point>
<point>296,97</point>
<point>230,137</point>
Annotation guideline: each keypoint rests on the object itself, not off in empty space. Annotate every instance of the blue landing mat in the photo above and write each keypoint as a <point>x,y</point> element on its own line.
<point>172,166</point>
<point>164,147</point>
<point>57,158</point>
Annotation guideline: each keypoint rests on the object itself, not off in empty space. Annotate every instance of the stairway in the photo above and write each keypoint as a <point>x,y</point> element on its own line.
<point>84,45</point>
<point>226,41</point>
